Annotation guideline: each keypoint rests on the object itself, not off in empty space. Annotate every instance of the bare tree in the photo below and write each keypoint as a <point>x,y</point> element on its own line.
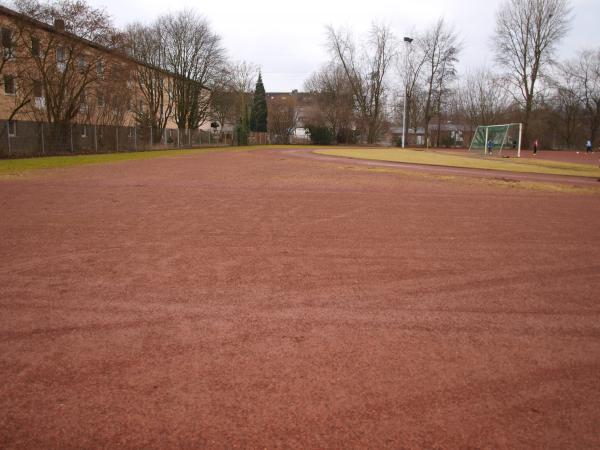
<point>482,98</point>
<point>58,68</point>
<point>16,69</point>
<point>439,47</point>
<point>194,54</point>
<point>154,107</point>
<point>366,69</point>
<point>224,105</point>
<point>231,93</point>
<point>566,102</point>
<point>79,18</point>
<point>333,101</point>
<point>282,117</point>
<point>525,39</point>
<point>111,98</point>
<point>584,75</point>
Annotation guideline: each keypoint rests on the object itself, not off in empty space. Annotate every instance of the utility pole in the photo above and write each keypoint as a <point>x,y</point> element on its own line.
<point>407,42</point>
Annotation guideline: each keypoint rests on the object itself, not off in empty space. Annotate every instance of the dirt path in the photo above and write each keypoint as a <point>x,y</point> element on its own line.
<point>265,300</point>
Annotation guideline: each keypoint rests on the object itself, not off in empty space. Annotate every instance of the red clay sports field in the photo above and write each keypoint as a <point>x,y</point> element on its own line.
<point>267,299</point>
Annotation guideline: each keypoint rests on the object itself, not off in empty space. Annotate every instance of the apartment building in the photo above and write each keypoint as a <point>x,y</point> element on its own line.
<point>62,92</point>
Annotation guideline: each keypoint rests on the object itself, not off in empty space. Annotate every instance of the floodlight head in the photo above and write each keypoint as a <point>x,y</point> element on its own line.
<point>408,40</point>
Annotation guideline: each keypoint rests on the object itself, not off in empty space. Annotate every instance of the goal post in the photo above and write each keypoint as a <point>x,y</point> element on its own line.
<point>503,138</point>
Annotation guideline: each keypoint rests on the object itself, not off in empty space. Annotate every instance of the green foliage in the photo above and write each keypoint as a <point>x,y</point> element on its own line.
<point>320,135</point>
<point>258,114</point>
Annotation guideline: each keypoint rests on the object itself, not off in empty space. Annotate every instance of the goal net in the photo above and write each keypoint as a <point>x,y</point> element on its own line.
<point>503,139</point>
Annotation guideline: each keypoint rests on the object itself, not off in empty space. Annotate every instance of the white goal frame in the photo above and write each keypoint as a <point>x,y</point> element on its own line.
<point>507,125</point>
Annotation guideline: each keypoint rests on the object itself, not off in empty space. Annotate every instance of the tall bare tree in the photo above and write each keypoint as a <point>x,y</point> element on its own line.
<point>230,95</point>
<point>194,54</point>
<point>333,101</point>
<point>525,39</point>
<point>440,48</point>
<point>60,67</point>
<point>154,107</point>
<point>366,69</point>
<point>79,18</point>
<point>282,118</point>
<point>16,69</point>
<point>482,97</point>
<point>584,72</point>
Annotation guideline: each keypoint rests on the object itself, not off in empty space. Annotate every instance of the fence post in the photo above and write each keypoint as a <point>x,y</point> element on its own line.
<point>209,133</point>
<point>117,132</point>
<point>151,137</point>
<point>189,137</point>
<point>43,144</point>
<point>96,138</point>
<point>135,138</point>
<point>71,133</point>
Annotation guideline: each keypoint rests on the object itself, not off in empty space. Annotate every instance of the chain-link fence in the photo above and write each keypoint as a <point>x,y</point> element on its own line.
<point>261,138</point>
<point>25,138</point>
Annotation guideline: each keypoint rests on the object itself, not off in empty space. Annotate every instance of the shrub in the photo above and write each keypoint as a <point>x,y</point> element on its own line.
<point>320,135</point>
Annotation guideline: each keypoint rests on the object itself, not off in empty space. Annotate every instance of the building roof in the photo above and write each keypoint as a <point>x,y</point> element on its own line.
<point>51,29</point>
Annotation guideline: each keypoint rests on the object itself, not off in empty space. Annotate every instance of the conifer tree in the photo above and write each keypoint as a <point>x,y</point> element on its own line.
<point>258,114</point>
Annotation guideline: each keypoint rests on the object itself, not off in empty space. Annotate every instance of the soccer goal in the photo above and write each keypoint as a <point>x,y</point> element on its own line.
<point>503,137</point>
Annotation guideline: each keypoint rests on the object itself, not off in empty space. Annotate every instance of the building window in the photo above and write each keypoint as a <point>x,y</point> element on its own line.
<point>100,69</point>
<point>60,54</point>
<point>82,102</point>
<point>38,95</point>
<point>81,63</point>
<point>60,59</point>
<point>7,42</point>
<point>35,46</point>
<point>100,99</point>
<point>84,131</point>
<point>12,128</point>
<point>38,91</point>
<point>9,85</point>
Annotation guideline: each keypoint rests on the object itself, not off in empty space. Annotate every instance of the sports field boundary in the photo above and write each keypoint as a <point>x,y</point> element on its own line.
<point>448,170</point>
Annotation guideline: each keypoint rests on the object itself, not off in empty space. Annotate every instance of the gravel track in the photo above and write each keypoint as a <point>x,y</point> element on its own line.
<point>268,300</point>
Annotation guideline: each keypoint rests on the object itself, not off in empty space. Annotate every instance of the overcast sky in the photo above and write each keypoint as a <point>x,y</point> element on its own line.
<point>286,39</point>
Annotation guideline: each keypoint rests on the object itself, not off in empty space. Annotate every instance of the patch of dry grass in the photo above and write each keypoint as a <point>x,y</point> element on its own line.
<point>453,160</point>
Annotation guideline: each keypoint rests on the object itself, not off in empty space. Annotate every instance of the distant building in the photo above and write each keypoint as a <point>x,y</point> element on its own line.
<point>288,111</point>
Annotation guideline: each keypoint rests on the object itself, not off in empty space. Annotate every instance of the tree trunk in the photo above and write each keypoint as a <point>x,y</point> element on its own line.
<point>528,108</point>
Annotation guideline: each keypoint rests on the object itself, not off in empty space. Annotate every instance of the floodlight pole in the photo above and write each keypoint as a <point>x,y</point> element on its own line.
<point>407,42</point>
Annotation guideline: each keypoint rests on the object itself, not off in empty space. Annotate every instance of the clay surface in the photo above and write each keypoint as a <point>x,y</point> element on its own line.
<point>265,300</point>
